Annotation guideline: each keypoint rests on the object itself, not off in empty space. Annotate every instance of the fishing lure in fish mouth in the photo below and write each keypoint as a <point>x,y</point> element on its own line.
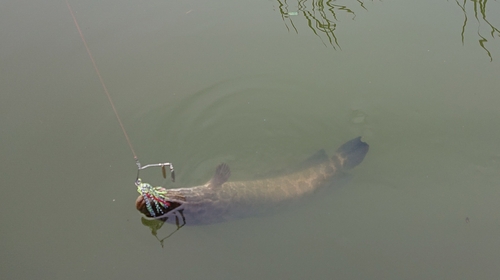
<point>154,203</point>
<point>154,198</point>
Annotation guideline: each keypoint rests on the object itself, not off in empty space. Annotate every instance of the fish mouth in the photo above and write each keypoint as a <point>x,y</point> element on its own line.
<point>159,210</point>
<point>154,202</point>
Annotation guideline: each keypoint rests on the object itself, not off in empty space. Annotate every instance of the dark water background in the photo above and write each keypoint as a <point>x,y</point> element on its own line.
<point>259,85</point>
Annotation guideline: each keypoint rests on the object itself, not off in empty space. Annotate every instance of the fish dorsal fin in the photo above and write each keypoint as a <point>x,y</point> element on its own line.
<point>221,175</point>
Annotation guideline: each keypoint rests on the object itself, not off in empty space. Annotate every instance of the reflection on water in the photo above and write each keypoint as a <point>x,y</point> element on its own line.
<point>322,17</point>
<point>479,12</point>
<point>155,226</point>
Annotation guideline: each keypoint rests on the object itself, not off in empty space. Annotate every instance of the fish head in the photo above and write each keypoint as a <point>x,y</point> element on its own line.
<point>154,202</point>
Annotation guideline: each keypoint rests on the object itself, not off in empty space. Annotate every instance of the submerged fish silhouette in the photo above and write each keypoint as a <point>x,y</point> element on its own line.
<point>221,200</point>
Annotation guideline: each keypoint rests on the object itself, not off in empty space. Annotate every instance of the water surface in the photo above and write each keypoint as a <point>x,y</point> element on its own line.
<point>260,85</point>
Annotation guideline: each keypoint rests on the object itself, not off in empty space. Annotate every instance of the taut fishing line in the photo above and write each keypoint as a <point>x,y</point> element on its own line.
<point>154,197</point>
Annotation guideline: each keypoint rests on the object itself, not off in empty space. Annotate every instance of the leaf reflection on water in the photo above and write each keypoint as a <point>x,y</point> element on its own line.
<point>479,8</point>
<point>322,19</point>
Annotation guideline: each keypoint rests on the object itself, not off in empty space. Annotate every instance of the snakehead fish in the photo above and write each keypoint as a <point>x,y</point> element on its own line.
<point>221,200</point>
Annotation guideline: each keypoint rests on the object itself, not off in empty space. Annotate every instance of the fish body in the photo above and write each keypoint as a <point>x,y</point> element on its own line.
<point>220,200</point>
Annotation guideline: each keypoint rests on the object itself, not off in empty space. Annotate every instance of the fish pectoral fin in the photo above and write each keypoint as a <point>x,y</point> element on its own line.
<point>221,175</point>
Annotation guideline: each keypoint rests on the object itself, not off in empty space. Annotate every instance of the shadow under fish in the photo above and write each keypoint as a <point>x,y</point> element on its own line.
<point>220,200</point>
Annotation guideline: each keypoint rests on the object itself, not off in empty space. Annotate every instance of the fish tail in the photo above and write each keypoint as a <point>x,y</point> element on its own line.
<point>350,154</point>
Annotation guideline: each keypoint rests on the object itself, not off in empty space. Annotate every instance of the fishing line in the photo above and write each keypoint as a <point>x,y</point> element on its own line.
<point>154,198</point>
<point>102,82</point>
<point>162,165</point>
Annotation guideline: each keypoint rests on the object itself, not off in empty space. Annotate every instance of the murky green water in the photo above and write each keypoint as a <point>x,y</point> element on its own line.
<point>259,85</point>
